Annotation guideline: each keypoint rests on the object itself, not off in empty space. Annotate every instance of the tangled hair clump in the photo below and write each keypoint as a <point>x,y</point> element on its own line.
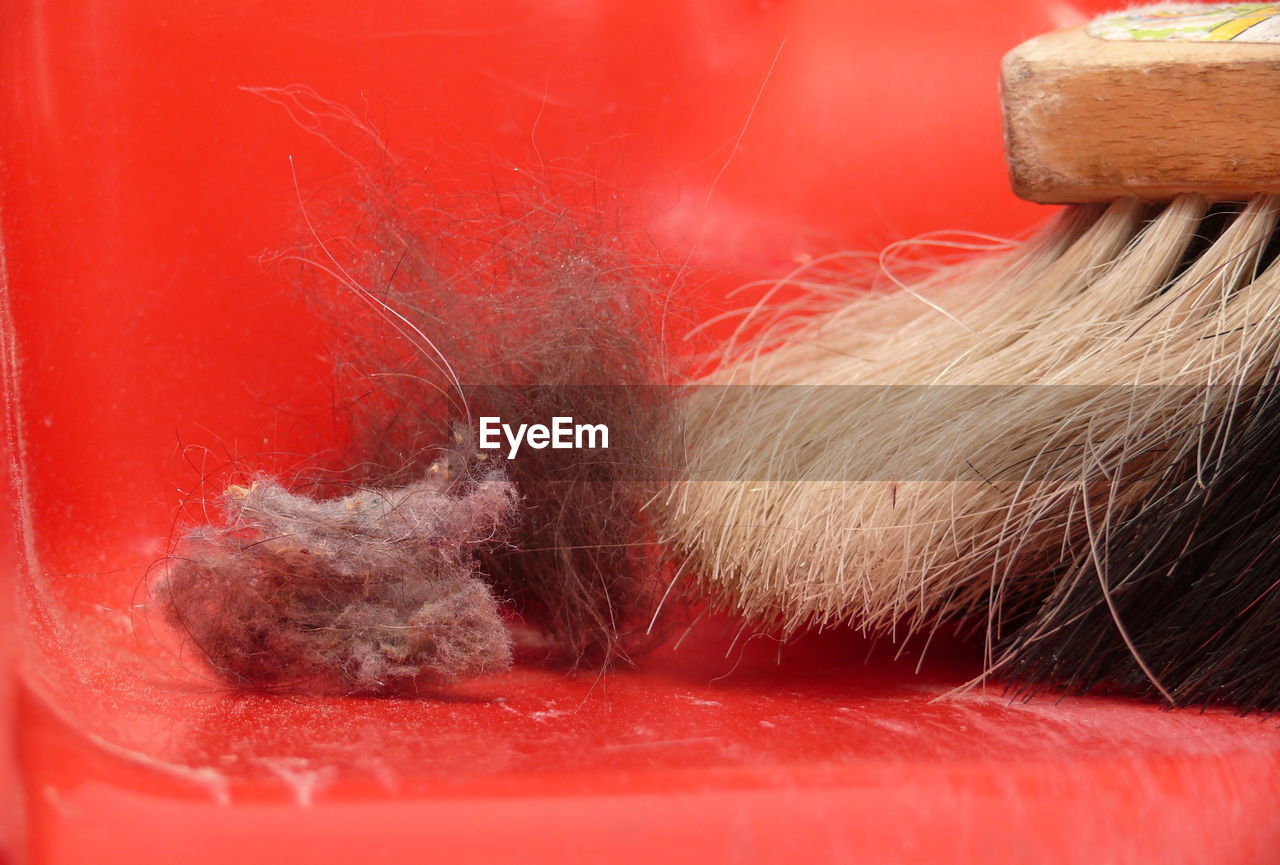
<point>542,321</point>
<point>526,303</point>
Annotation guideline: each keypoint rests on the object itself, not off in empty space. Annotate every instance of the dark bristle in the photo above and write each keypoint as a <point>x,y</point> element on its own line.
<point>1193,578</point>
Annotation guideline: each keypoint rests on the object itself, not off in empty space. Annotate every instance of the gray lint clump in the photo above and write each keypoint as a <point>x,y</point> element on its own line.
<point>375,591</point>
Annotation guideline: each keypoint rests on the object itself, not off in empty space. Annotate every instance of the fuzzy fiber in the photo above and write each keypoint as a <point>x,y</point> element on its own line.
<point>372,592</point>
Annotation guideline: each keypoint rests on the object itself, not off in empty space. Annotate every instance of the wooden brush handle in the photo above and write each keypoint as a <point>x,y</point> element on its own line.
<point>1092,119</point>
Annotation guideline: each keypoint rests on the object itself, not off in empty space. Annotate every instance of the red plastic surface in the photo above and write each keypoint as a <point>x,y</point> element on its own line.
<point>140,183</point>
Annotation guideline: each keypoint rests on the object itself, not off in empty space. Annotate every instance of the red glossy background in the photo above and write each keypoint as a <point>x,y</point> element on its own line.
<point>141,180</point>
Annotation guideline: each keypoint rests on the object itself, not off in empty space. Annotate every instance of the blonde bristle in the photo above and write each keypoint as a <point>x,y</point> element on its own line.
<point>857,467</point>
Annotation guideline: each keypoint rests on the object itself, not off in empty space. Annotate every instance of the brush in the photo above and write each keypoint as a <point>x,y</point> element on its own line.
<point>1053,443</point>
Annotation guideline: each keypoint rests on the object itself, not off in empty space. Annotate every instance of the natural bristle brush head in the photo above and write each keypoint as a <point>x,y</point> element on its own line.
<point>1053,443</point>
